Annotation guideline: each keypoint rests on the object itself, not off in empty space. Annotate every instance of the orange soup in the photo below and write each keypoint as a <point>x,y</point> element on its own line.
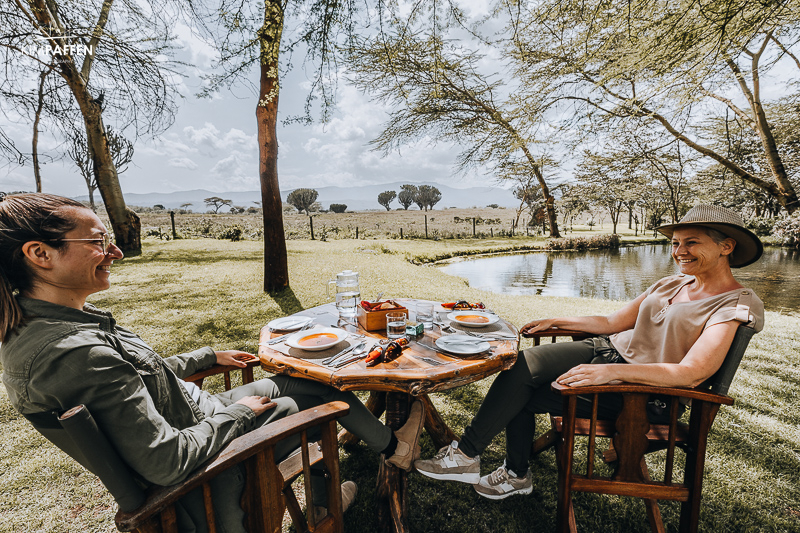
<point>473,319</point>
<point>318,339</point>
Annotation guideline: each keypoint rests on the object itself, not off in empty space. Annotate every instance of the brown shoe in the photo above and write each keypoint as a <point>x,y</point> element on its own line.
<point>349,491</point>
<point>408,438</point>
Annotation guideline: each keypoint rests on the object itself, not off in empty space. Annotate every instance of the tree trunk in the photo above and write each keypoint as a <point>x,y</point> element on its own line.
<point>35,141</point>
<point>276,267</point>
<point>124,222</point>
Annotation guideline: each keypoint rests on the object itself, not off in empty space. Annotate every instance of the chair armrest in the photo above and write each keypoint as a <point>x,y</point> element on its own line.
<point>247,373</point>
<point>234,452</point>
<point>681,392</point>
<point>557,332</point>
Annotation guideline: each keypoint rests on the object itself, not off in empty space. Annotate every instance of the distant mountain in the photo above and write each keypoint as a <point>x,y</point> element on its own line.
<point>358,198</point>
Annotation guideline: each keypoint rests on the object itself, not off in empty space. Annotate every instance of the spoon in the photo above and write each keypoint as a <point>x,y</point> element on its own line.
<point>355,355</point>
<point>346,351</point>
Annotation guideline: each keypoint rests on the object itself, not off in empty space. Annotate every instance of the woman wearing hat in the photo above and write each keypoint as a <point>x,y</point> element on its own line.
<point>676,334</point>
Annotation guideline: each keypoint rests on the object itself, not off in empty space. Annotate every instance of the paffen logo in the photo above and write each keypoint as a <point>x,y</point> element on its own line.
<point>57,46</point>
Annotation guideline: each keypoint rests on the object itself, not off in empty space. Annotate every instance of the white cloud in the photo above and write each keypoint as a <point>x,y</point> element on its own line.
<point>168,145</point>
<point>182,162</point>
<point>210,138</point>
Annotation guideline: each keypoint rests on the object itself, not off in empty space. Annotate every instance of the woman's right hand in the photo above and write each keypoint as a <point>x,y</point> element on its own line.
<point>537,325</point>
<point>259,404</point>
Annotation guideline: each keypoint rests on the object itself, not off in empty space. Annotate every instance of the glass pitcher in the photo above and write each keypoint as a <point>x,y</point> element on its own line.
<point>346,292</point>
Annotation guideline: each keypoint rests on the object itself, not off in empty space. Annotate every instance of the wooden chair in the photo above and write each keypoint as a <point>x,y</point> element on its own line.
<point>267,494</point>
<point>633,436</point>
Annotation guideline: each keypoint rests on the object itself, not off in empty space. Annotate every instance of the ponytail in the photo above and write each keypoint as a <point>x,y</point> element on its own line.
<point>24,218</point>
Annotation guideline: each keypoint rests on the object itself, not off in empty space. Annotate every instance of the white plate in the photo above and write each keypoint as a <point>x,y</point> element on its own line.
<point>289,323</point>
<point>455,317</point>
<point>335,336</point>
<point>462,344</point>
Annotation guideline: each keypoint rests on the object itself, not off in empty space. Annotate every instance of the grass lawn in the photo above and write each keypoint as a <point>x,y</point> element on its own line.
<point>182,294</point>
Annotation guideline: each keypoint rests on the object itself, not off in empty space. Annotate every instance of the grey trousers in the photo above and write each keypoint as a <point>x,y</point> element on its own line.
<point>292,396</point>
<point>522,391</point>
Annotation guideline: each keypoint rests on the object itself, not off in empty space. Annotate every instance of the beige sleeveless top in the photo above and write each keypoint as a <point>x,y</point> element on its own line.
<point>665,331</point>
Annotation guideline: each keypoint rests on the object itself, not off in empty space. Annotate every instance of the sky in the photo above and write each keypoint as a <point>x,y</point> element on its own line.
<point>213,145</point>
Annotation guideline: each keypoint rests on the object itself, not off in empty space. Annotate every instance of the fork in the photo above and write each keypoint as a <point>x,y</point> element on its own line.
<point>490,336</point>
<point>276,340</point>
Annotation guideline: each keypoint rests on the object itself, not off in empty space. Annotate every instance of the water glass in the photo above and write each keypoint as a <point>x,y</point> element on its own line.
<point>425,314</point>
<point>395,325</point>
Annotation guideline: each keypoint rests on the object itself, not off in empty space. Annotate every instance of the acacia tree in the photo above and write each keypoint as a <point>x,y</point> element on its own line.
<point>438,91</point>
<point>406,195</point>
<point>113,59</point>
<point>217,203</point>
<point>78,151</point>
<point>303,200</point>
<point>428,196</point>
<point>662,65</point>
<point>386,197</point>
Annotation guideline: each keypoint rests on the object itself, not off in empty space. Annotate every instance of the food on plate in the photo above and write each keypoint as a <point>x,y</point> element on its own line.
<point>387,353</point>
<point>317,339</point>
<point>463,304</point>
<point>380,306</point>
<point>473,319</point>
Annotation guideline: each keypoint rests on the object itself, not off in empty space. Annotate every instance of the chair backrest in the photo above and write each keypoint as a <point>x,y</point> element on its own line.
<point>720,382</point>
<point>76,433</point>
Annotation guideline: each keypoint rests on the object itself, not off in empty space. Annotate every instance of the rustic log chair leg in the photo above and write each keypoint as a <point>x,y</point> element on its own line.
<point>391,483</point>
<point>565,447</point>
<point>653,511</point>
<point>436,427</point>
<point>209,508</point>
<point>295,512</point>
<point>703,414</point>
<point>169,520</point>
<point>376,403</point>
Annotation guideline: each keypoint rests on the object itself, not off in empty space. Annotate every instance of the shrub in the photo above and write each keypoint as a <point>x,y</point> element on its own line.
<point>233,233</point>
<point>582,243</point>
<point>761,226</point>
<point>338,208</point>
<point>788,229</point>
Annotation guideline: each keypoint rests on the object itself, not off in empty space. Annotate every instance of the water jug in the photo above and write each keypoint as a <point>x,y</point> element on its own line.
<point>347,293</point>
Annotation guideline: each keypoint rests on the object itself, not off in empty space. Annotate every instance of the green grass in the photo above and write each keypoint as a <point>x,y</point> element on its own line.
<point>183,294</point>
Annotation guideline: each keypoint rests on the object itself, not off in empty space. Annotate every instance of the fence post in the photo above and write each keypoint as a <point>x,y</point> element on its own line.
<point>473,227</point>
<point>356,232</point>
<point>426,226</point>
<point>491,230</point>
<point>401,233</point>
<point>311,223</point>
<point>172,217</point>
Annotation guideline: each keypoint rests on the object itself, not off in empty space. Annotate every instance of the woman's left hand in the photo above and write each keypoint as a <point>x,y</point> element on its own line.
<point>585,375</point>
<point>234,358</point>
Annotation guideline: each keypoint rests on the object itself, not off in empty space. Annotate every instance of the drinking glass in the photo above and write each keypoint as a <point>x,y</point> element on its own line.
<point>425,314</point>
<point>395,325</point>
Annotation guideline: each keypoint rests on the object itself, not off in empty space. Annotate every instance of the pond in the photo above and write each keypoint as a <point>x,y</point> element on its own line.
<point>621,274</point>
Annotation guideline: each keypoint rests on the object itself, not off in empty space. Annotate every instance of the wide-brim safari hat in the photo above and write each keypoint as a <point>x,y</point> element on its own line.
<point>748,246</point>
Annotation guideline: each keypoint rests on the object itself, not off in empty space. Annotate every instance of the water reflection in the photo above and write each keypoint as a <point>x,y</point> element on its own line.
<point>621,274</point>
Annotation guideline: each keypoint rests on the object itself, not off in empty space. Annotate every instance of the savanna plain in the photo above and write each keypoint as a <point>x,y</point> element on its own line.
<point>182,294</point>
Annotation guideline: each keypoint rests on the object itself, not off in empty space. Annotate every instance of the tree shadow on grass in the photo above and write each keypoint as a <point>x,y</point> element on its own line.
<point>287,301</point>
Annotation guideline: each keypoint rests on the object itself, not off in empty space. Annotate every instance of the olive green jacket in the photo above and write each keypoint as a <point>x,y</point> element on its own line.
<point>62,357</point>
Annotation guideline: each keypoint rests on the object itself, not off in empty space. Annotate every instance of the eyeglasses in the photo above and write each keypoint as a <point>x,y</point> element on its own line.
<point>105,241</point>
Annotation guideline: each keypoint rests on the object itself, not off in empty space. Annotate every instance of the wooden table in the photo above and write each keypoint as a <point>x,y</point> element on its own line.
<point>421,370</point>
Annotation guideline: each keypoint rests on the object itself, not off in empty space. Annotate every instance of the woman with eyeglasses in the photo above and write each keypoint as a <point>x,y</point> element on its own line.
<point>58,352</point>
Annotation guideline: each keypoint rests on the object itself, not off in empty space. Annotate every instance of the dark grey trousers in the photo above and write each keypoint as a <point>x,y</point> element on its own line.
<point>522,391</point>
<point>292,396</point>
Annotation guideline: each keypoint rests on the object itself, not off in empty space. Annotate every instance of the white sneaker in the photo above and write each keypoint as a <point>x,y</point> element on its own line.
<point>502,483</point>
<point>451,464</point>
